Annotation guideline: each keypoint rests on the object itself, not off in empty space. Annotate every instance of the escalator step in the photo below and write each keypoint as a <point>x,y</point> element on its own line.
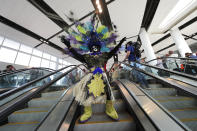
<point>171,98</point>
<point>179,103</point>
<point>186,114</point>
<point>27,116</point>
<point>119,105</point>
<point>20,126</point>
<point>192,125</point>
<point>117,94</point>
<point>100,121</point>
<point>155,86</point>
<point>162,92</point>
<point>42,102</point>
<point>53,94</point>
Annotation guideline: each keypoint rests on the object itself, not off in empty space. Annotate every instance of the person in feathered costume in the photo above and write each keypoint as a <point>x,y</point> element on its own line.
<point>93,46</point>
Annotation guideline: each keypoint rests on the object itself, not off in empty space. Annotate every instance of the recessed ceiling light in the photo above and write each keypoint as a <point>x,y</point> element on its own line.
<point>181,6</point>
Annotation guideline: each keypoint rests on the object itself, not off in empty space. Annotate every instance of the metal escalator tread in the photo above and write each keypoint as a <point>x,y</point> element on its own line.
<point>27,119</point>
<point>172,98</point>
<point>119,105</point>
<point>100,121</point>
<point>182,107</point>
<point>20,126</point>
<point>161,91</point>
<point>188,117</point>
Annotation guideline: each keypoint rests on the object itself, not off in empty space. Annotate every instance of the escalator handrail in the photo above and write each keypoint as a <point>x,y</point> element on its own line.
<point>55,106</point>
<point>164,80</point>
<point>160,106</point>
<point>180,58</point>
<point>170,71</point>
<point>6,111</point>
<point>10,92</point>
<point>21,70</point>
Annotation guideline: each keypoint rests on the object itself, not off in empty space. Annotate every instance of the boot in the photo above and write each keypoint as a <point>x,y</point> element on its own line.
<point>86,114</point>
<point>110,111</point>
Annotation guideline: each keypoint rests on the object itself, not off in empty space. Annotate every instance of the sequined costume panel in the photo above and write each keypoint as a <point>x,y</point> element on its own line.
<point>96,60</point>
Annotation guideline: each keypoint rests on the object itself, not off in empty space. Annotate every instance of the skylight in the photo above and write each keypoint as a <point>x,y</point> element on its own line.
<point>181,6</point>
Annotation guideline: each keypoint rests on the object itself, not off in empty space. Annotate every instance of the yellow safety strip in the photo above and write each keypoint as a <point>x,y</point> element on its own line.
<point>184,109</point>
<point>16,123</point>
<point>24,112</point>
<point>181,99</point>
<point>188,119</point>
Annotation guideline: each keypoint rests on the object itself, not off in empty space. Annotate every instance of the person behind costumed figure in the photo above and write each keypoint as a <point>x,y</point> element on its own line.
<point>96,43</point>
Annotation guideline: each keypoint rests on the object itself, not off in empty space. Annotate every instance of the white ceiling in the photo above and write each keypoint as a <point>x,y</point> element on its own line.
<point>126,14</point>
<point>79,7</point>
<point>162,11</point>
<point>26,15</point>
<point>13,34</point>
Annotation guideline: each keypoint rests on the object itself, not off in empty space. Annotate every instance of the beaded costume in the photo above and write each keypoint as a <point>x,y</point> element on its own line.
<point>93,46</point>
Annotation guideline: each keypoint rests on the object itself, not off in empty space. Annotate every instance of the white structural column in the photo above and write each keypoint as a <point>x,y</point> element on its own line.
<point>146,44</point>
<point>180,42</point>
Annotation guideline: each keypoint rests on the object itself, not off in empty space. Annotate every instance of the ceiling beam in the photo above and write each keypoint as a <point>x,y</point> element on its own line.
<point>190,37</point>
<point>149,13</point>
<point>82,18</point>
<point>104,17</point>
<point>28,32</point>
<point>50,13</point>
<point>171,45</point>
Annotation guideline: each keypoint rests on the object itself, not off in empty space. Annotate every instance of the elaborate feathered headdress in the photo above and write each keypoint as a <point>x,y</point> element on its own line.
<point>89,34</point>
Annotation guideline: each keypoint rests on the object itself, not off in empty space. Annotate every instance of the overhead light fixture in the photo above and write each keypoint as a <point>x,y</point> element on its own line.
<point>181,6</point>
<point>99,6</point>
<point>97,2</point>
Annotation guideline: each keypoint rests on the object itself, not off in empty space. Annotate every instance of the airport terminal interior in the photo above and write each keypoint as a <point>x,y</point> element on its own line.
<point>98,65</point>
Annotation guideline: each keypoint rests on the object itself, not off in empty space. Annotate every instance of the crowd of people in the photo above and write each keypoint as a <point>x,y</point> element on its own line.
<point>173,62</point>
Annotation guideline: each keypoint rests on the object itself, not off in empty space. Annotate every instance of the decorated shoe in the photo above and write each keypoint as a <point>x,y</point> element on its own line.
<point>86,115</point>
<point>110,110</point>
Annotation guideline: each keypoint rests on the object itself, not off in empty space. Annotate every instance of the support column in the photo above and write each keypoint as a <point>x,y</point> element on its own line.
<point>180,42</point>
<point>146,44</point>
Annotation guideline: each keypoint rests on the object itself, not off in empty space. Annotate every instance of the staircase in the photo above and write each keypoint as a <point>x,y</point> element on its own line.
<point>28,119</point>
<point>101,122</point>
<point>182,106</point>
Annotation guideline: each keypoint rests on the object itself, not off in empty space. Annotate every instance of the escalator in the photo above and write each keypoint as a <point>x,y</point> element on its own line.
<point>175,97</point>
<point>50,106</point>
<point>26,110</point>
<point>20,77</point>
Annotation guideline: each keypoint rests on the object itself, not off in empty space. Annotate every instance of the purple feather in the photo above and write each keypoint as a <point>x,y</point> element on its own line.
<point>112,38</point>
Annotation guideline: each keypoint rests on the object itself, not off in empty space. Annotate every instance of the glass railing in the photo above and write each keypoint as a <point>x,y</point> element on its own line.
<point>54,88</point>
<point>167,74</point>
<point>17,79</point>
<point>33,85</point>
<point>184,65</point>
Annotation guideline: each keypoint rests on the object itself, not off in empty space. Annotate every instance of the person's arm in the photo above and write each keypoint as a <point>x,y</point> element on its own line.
<point>74,52</point>
<point>128,53</point>
<point>112,52</point>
